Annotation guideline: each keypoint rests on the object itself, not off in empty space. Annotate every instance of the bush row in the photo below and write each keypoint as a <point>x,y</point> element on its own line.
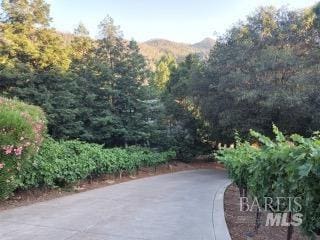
<point>26,160</point>
<point>60,163</point>
<point>283,167</point>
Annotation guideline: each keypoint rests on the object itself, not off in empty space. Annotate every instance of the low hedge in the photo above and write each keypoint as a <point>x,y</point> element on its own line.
<point>21,132</point>
<point>60,163</point>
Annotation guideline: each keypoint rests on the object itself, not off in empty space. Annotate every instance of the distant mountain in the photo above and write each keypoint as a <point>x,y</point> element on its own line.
<point>155,48</point>
<point>205,44</point>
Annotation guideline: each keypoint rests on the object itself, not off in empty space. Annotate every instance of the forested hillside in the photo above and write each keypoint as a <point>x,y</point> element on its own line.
<point>154,49</point>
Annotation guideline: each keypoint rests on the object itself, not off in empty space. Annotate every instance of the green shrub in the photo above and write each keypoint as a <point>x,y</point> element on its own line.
<point>283,167</point>
<point>21,127</point>
<point>238,160</point>
<point>66,162</point>
<point>59,164</point>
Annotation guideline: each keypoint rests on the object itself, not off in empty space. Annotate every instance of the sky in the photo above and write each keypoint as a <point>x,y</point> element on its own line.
<point>178,20</point>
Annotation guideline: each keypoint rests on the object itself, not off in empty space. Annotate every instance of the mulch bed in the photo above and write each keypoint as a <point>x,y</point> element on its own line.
<point>242,224</point>
<point>26,197</point>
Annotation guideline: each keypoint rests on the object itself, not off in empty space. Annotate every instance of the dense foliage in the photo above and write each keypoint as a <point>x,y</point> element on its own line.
<point>264,70</point>
<point>93,90</point>
<point>283,167</point>
<point>61,163</point>
<point>186,122</point>
<point>21,132</point>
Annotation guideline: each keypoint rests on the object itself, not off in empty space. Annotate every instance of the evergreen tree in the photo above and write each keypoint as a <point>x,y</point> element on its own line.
<point>26,12</point>
<point>164,67</point>
<point>27,45</point>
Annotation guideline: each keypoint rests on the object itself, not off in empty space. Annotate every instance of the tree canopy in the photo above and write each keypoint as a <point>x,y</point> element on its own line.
<point>93,90</point>
<point>264,70</point>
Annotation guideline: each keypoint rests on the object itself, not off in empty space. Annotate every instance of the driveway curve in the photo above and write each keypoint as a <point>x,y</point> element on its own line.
<point>177,206</point>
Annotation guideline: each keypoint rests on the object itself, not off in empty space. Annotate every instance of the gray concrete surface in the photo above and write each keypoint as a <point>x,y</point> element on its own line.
<point>178,206</point>
<point>220,227</point>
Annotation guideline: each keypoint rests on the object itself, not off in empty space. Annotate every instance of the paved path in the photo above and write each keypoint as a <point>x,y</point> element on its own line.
<point>178,206</point>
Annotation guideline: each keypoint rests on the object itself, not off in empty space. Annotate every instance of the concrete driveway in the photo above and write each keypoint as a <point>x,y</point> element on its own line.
<point>178,206</point>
